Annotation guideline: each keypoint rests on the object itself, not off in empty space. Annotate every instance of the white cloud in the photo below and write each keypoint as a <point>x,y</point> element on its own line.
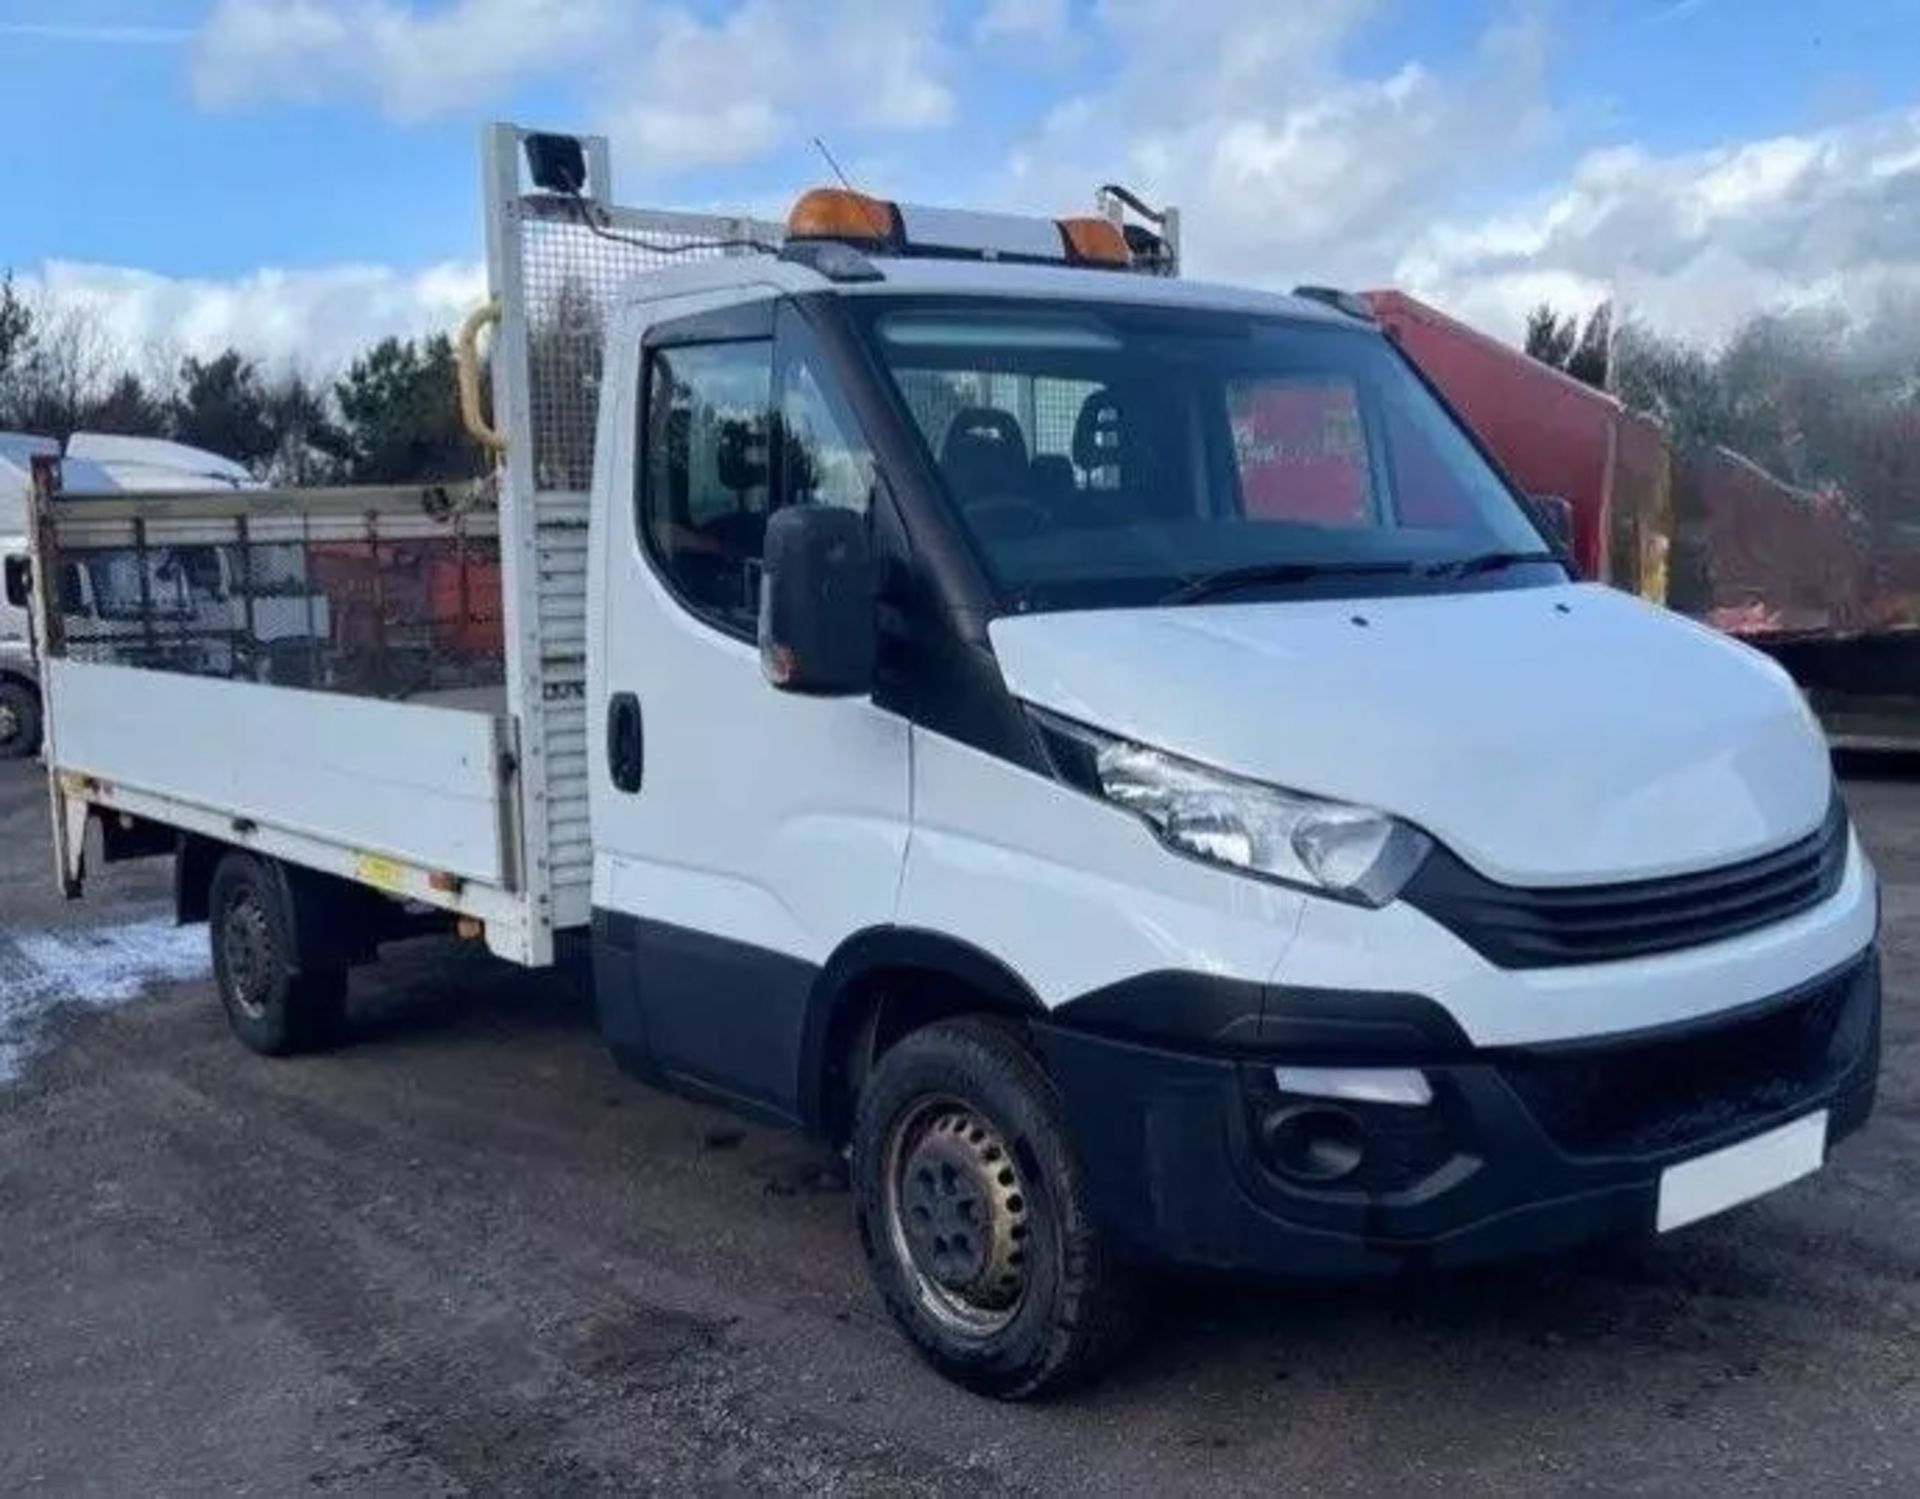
<point>316,319</point>
<point>412,60</point>
<point>1290,163</point>
<point>1287,167</point>
<point>682,86</point>
<point>1290,167</point>
<point>1227,55</point>
<point>769,73</point>
<point>1696,242</point>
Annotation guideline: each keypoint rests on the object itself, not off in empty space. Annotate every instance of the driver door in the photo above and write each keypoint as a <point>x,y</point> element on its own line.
<point>741,832</point>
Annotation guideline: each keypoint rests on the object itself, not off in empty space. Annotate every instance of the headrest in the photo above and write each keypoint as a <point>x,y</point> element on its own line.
<point>984,452</point>
<point>1102,436</point>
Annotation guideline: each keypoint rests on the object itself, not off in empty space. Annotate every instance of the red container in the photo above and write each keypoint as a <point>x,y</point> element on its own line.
<point>1551,433</point>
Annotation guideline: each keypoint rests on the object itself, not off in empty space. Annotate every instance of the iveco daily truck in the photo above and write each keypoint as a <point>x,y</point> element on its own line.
<point>1111,752</point>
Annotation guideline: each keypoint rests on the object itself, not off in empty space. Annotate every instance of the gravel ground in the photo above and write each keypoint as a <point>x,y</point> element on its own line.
<point>464,1254</point>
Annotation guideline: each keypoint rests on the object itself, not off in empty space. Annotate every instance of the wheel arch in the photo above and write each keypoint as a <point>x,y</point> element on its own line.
<point>331,922</point>
<point>879,985</point>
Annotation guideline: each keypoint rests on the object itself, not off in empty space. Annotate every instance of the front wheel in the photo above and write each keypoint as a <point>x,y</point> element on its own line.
<point>974,1216</point>
<point>275,1007</point>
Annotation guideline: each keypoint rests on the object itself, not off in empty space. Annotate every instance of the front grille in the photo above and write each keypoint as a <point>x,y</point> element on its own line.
<point>1648,1096</point>
<point>1521,927</point>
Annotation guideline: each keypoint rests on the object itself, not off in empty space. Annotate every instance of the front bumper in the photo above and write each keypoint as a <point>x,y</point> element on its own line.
<point>1522,1150</point>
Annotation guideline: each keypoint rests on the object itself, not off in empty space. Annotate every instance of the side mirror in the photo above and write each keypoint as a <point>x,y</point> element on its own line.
<point>817,586</point>
<point>1555,514</point>
<point>19,582</point>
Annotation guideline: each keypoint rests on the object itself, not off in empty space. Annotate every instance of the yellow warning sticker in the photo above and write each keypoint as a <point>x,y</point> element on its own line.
<point>382,874</point>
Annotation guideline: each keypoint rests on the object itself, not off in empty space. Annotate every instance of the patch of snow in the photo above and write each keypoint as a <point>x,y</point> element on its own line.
<point>96,968</point>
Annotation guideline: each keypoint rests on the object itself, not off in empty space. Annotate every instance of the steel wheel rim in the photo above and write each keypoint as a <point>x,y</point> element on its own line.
<point>246,948</point>
<point>957,1215</point>
<point>10,723</point>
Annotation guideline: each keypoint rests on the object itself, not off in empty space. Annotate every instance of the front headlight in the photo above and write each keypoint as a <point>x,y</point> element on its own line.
<point>1352,853</point>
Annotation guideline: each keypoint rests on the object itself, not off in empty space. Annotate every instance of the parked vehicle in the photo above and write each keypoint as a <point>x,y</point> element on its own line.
<point>100,591</point>
<point>147,464</point>
<point>19,673</point>
<point>20,709</point>
<point>1106,751</point>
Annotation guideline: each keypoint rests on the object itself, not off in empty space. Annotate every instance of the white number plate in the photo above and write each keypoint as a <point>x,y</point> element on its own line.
<point>1713,1183</point>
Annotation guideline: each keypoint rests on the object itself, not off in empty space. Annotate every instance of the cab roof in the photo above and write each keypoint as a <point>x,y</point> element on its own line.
<point>770,275</point>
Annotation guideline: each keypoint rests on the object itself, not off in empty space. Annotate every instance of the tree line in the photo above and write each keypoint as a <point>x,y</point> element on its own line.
<point>1826,402</point>
<point>392,417</point>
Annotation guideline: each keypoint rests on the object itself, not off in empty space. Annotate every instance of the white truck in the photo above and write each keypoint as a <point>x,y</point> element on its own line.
<point>1110,752</point>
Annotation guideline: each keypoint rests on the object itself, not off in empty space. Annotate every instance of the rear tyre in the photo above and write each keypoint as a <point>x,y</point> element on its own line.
<point>974,1215</point>
<point>276,1005</point>
<point>19,721</point>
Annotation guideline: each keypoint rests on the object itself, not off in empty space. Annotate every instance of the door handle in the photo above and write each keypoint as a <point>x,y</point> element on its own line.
<point>626,742</point>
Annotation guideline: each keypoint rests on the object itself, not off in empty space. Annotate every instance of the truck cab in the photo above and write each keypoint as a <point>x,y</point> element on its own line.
<point>1354,886</point>
<point>1111,754</point>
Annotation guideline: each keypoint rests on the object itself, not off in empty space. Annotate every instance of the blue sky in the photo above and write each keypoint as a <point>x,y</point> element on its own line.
<point>1693,152</point>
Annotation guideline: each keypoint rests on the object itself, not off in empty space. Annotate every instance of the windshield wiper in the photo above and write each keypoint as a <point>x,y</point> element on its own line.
<point>1483,562</point>
<point>1211,585</point>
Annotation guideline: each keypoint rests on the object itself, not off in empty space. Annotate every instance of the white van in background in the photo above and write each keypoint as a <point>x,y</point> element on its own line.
<point>19,674</point>
<point>150,464</point>
<point>20,708</point>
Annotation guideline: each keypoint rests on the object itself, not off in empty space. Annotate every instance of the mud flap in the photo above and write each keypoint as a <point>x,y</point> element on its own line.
<point>69,839</point>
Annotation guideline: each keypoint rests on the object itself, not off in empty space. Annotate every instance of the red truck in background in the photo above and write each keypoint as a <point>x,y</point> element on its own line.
<point>1704,531</point>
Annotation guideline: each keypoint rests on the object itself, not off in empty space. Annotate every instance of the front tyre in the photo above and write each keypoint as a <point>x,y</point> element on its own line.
<point>275,1007</point>
<point>974,1215</point>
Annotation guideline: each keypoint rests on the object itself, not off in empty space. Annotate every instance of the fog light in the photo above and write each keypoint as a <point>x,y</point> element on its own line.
<point>1312,1143</point>
<point>1405,1086</point>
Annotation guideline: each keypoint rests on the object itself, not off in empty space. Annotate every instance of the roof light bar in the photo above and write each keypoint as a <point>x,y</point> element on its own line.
<point>910,229</point>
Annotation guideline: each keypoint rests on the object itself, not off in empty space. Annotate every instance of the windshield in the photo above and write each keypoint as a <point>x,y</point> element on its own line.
<point>1107,454</point>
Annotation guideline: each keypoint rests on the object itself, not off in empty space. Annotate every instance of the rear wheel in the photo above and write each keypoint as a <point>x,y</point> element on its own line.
<point>974,1216</point>
<point>19,721</point>
<point>275,1005</point>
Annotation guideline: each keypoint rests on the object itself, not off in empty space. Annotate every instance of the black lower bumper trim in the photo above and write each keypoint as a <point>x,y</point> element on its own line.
<point>1217,1014</point>
<point>1178,1144</point>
